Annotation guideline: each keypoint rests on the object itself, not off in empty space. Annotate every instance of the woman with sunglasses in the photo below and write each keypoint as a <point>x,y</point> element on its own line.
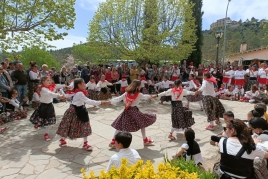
<point>238,151</point>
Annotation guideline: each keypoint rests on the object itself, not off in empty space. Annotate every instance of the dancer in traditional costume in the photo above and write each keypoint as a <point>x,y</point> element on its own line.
<point>123,82</point>
<point>253,74</point>
<point>131,119</point>
<point>262,75</point>
<point>213,107</point>
<point>164,86</point>
<point>92,88</point>
<point>44,115</point>
<point>175,73</point>
<point>104,90</point>
<point>239,76</point>
<point>181,117</point>
<point>16,107</point>
<point>192,85</point>
<point>227,76</point>
<point>75,122</point>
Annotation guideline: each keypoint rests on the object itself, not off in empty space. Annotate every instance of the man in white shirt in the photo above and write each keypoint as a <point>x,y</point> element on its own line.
<point>122,143</point>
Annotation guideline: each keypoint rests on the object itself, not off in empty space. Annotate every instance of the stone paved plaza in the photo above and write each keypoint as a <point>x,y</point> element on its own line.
<point>25,154</point>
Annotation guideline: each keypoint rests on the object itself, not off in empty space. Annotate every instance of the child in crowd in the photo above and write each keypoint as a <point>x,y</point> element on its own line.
<point>123,83</point>
<point>265,109</point>
<point>104,90</point>
<point>92,88</point>
<point>192,85</point>
<point>227,116</point>
<point>164,86</point>
<point>143,89</point>
<point>180,117</point>
<point>263,95</point>
<point>16,106</point>
<point>131,119</point>
<point>190,149</point>
<point>75,122</point>
<point>44,115</point>
<point>239,90</point>
<point>151,84</point>
<point>229,93</point>
<point>122,143</point>
<point>259,128</point>
<point>249,96</point>
<point>36,97</point>
<point>220,92</point>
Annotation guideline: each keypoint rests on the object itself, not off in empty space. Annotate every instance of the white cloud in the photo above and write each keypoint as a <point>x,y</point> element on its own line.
<point>91,5</point>
<point>68,41</point>
<point>238,9</point>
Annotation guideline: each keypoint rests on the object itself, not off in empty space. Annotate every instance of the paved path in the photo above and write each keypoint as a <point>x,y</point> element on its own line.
<point>25,154</point>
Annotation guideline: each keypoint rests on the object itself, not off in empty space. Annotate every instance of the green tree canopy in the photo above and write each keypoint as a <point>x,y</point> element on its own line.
<point>144,30</point>
<point>40,56</point>
<point>28,22</point>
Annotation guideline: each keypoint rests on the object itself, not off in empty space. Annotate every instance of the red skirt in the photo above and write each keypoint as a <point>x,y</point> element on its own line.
<point>225,80</point>
<point>123,89</point>
<point>262,80</point>
<point>239,82</point>
<point>233,81</point>
<point>173,78</point>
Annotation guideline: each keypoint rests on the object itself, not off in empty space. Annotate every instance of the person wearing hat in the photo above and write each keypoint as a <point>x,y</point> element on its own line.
<point>123,83</point>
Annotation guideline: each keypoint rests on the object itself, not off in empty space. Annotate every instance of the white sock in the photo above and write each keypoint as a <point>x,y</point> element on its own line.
<point>143,133</point>
<point>85,139</point>
<point>47,128</point>
<point>116,132</point>
<point>172,130</point>
<point>188,103</point>
<point>200,103</point>
<point>211,123</point>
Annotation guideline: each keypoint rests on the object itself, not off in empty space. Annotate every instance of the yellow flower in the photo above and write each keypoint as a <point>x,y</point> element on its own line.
<point>82,170</point>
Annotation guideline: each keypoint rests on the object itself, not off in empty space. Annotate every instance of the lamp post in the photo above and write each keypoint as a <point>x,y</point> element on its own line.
<point>218,36</point>
<point>224,38</point>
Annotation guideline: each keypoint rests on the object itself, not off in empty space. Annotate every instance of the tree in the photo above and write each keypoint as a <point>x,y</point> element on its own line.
<point>144,31</point>
<point>196,55</point>
<point>84,52</point>
<point>40,56</point>
<point>27,22</point>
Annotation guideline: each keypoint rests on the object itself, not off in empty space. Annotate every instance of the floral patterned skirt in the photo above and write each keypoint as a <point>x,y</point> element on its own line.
<point>194,98</point>
<point>132,120</point>
<point>44,115</point>
<point>92,94</point>
<point>71,127</point>
<point>35,104</point>
<point>20,113</point>
<point>181,117</point>
<point>105,96</point>
<point>213,108</point>
<point>164,98</point>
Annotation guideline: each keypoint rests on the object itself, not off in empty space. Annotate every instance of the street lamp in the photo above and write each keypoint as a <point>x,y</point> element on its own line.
<point>224,38</point>
<point>218,36</point>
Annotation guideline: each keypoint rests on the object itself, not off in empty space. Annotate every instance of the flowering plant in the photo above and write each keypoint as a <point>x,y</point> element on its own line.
<point>142,170</point>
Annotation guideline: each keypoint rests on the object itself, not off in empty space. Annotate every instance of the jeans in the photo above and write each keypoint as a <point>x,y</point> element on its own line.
<point>22,91</point>
<point>5,94</point>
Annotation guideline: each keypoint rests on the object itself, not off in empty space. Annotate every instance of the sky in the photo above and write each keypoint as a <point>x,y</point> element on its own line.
<point>213,10</point>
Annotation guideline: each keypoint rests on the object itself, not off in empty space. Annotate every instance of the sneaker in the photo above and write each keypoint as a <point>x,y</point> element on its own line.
<point>171,137</point>
<point>210,128</point>
<point>87,147</point>
<point>148,141</point>
<point>63,143</point>
<point>217,121</point>
<point>46,137</point>
<point>112,144</point>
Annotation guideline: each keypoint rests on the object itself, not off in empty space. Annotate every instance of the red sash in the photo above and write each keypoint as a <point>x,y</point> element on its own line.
<point>177,92</point>
<point>50,87</point>
<point>130,99</point>
<point>76,91</point>
<point>196,83</point>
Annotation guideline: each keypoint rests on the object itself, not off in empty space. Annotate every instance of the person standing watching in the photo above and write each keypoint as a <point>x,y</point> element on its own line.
<point>4,86</point>
<point>20,78</point>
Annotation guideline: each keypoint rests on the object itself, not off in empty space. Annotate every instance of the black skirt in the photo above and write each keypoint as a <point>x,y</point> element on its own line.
<point>46,110</point>
<point>82,113</point>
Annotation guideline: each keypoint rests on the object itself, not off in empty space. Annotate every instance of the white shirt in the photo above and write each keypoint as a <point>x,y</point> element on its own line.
<point>173,98</point>
<point>176,72</point>
<point>15,103</point>
<point>250,94</point>
<point>91,86</point>
<point>122,83</point>
<point>207,88</point>
<point>227,92</point>
<point>143,82</point>
<point>79,99</point>
<point>164,84</point>
<point>190,85</point>
<point>239,74</point>
<point>228,74</point>
<point>262,73</point>
<point>197,157</point>
<point>252,73</point>
<point>71,85</point>
<point>242,91</point>
<point>36,97</point>
<point>103,84</point>
<point>47,95</point>
<point>134,103</point>
<point>130,154</point>
<point>34,76</point>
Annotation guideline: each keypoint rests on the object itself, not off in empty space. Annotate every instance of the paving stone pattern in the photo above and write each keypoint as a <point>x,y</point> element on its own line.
<point>25,154</point>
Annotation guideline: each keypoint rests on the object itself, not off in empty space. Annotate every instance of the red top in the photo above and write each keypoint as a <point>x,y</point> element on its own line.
<point>108,76</point>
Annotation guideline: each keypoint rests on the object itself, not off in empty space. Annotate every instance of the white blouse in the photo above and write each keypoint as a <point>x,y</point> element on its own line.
<point>15,103</point>
<point>164,84</point>
<point>143,82</point>
<point>207,88</point>
<point>190,85</point>
<point>242,91</point>
<point>134,103</point>
<point>91,86</point>
<point>47,95</point>
<point>34,76</point>
<point>239,74</point>
<point>79,99</point>
<point>252,73</point>
<point>227,92</point>
<point>36,97</point>
<point>176,72</point>
<point>122,83</point>
<point>262,73</point>
<point>173,98</point>
<point>103,84</point>
<point>228,74</point>
<point>250,94</point>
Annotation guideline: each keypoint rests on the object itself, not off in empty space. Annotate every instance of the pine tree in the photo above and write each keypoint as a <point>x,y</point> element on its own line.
<point>196,55</point>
